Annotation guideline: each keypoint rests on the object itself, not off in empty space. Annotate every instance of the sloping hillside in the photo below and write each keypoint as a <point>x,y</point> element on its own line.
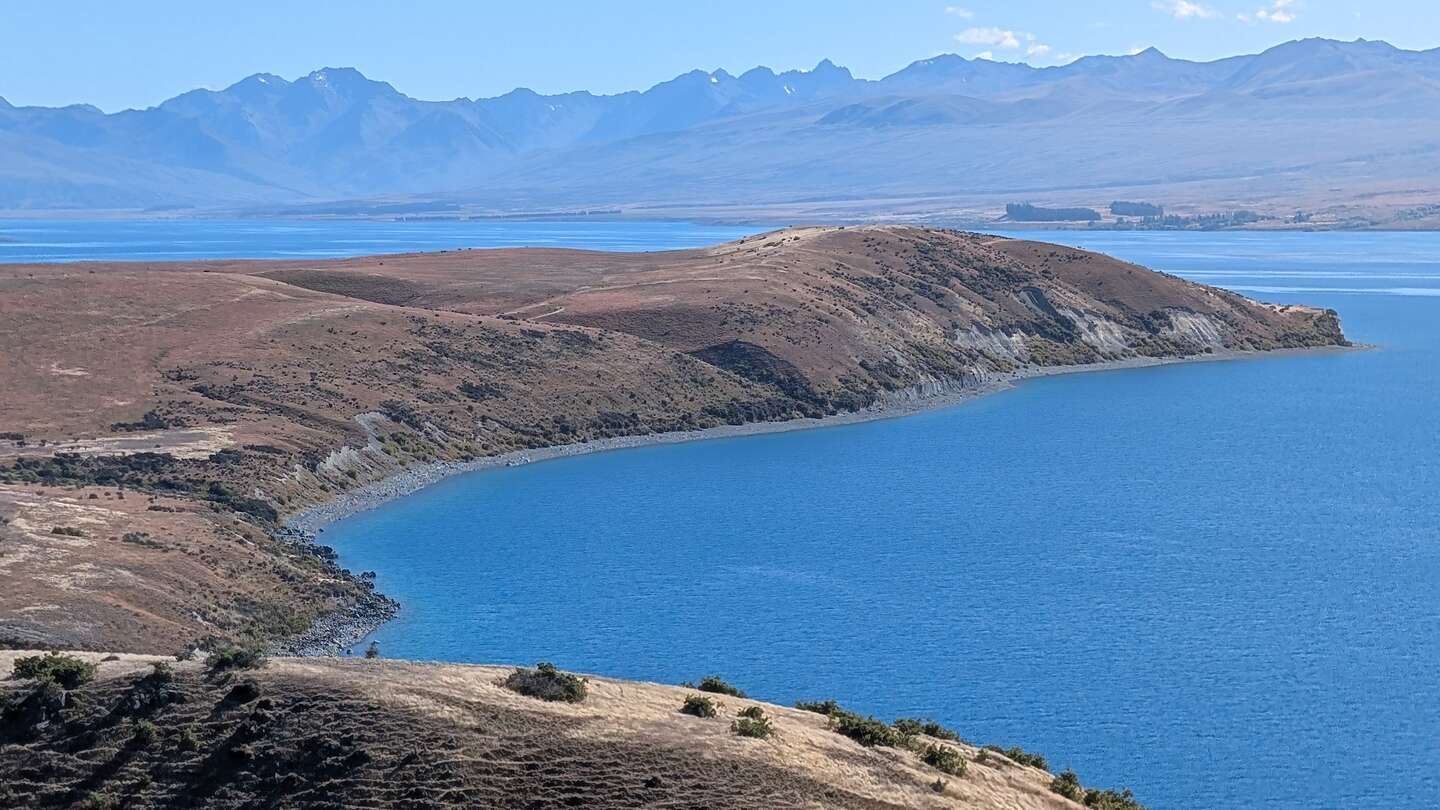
<point>163,419</point>
<point>836,317</point>
<point>368,733</point>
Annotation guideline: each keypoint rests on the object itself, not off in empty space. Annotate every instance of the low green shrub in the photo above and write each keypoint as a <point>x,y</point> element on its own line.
<point>1110,800</point>
<point>944,758</point>
<point>546,683</point>
<point>160,673</point>
<point>151,691</point>
<point>753,723</point>
<point>825,707</point>
<point>67,531</point>
<point>1024,757</point>
<point>142,539</point>
<point>65,670</point>
<point>98,801</point>
<point>719,686</point>
<point>930,728</point>
<point>143,733</point>
<point>236,656</point>
<point>906,727</point>
<point>1067,784</point>
<point>1020,756</point>
<point>700,706</point>
<point>867,731</point>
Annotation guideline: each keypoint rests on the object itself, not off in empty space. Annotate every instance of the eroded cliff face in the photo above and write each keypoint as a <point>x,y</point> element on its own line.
<point>852,313</point>
<point>256,389</point>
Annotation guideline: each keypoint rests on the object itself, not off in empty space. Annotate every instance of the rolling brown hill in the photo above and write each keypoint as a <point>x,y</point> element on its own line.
<point>219,397</point>
<point>373,733</point>
<point>836,317</point>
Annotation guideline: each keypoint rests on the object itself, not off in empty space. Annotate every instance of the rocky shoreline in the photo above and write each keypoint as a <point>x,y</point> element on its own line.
<point>337,632</point>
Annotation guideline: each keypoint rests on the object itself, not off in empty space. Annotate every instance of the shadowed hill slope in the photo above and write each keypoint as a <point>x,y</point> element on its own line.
<point>371,733</point>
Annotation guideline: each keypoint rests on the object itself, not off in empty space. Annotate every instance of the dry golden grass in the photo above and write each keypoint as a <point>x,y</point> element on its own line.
<point>450,735</point>
<point>137,578</point>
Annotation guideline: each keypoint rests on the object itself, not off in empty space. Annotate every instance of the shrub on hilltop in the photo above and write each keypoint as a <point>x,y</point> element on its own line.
<point>700,706</point>
<point>930,728</point>
<point>717,685</point>
<point>67,671</point>
<point>944,758</point>
<point>1020,756</point>
<point>236,656</point>
<point>1110,800</point>
<point>826,707</point>
<point>867,731</point>
<point>753,723</point>
<point>1067,784</point>
<point>546,683</point>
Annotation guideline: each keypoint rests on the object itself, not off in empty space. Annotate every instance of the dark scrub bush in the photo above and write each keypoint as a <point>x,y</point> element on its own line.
<point>753,723</point>
<point>719,686</point>
<point>66,670</point>
<point>945,759</point>
<point>699,706</point>
<point>546,683</point>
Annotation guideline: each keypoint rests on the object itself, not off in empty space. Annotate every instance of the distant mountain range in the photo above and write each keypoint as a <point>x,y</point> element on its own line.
<point>1304,123</point>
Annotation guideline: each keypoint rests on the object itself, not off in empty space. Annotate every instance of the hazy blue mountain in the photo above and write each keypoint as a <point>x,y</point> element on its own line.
<point>957,75</point>
<point>947,125</point>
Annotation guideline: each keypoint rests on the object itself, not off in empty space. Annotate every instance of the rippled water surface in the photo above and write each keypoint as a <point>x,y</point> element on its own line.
<point>1216,583</point>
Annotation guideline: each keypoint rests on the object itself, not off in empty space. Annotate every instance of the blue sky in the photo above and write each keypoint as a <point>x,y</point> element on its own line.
<point>135,54</point>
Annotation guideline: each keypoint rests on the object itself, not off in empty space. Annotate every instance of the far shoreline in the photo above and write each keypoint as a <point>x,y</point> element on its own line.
<point>895,405</point>
<point>337,632</point>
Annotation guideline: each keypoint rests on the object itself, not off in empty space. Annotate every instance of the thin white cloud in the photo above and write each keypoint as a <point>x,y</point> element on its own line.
<point>994,37</point>
<point>1185,9</point>
<point>1281,11</point>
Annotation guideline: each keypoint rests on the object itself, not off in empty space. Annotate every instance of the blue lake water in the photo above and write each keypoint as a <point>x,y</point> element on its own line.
<point>1216,583</point>
<point>30,240</point>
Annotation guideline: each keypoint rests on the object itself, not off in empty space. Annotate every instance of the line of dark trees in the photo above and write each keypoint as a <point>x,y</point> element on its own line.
<point>1121,208</point>
<point>1025,212</point>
